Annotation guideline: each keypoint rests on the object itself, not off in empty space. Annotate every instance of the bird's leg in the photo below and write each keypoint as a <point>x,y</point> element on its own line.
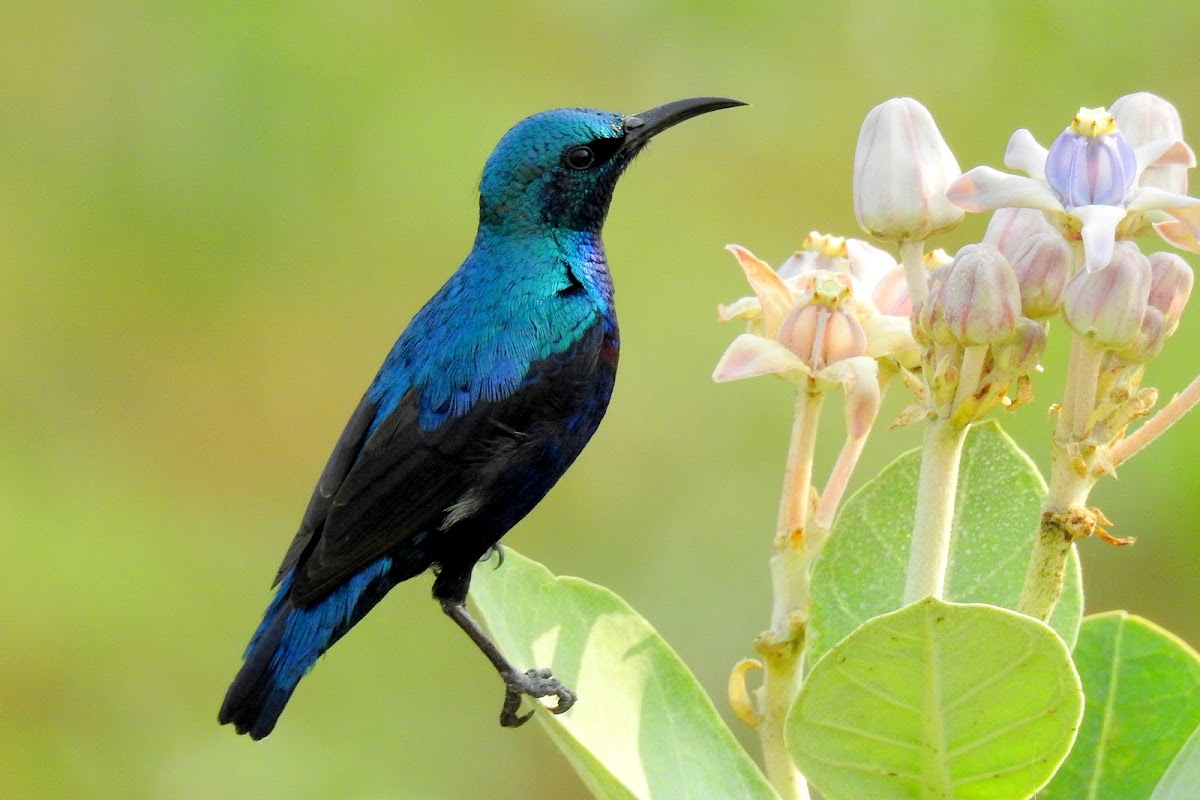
<point>535,682</point>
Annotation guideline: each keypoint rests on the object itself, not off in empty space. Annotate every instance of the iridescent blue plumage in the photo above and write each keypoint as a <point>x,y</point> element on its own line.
<point>485,400</point>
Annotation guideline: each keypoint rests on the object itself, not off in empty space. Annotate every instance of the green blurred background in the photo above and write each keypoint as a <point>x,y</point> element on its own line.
<point>214,220</point>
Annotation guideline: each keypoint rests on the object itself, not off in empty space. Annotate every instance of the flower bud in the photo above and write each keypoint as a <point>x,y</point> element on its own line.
<point>930,324</point>
<point>980,299</point>
<point>1043,266</point>
<point>1144,118</point>
<point>821,335</point>
<point>1108,305</point>
<point>1021,354</point>
<point>902,167</point>
<point>1091,162</point>
<point>1170,285</point>
<point>1149,340</point>
<point>891,294</point>
<point>1009,228</point>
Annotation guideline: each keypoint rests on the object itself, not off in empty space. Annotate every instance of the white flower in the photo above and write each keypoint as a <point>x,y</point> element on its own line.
<point>1086,183</point>
<point>819,320</point>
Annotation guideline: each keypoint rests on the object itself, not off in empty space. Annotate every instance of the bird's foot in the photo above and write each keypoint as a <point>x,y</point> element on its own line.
<point>534,683</point>
<point>499,551</point>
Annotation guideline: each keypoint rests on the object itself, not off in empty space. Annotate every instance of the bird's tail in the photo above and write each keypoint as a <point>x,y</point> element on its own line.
<point>288,643</point>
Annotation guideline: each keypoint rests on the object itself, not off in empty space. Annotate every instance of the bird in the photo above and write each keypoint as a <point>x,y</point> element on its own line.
<point>487,397</point>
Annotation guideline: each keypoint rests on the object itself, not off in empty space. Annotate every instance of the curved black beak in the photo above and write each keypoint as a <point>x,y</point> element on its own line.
<point>640,127</point>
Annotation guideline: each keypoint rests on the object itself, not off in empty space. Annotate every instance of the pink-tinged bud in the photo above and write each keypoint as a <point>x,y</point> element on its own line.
<point>1009,229</point>
<point>1145,118</point>
<point>1043,266</point>
<point>891,294</point>
<point>1170,286</point>
<point>1021,354</point>
<point>1108,305</point>
<point>821,335</point>
<point>980,299</point>
<point>1150,338</point>
<point>902,167</point>
<point>930,324</point>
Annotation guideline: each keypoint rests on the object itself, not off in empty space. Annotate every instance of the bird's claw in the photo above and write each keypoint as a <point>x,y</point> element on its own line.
<point>499,551</point>
<point>534,683</point>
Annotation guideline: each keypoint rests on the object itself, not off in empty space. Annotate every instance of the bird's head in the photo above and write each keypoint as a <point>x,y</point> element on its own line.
<point>557,169</point>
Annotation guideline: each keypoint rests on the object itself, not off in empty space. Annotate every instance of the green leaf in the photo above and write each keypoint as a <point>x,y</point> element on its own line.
<point>1143,702</point>
<point>1182,780</point>
<point>937,700</point>
<point>642,727</point>
<point>860,573</point>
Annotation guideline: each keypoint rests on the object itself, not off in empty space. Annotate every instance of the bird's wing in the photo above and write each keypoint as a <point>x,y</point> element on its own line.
<point>345,453</point>
<point>407,479</point>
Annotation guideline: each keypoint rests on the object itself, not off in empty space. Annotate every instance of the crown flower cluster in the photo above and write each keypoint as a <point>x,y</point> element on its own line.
<point>964,335</point>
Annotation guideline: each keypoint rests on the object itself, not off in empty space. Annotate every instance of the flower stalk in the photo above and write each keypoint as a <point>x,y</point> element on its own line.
<point>940,457</point>
<point>912,256</point>
<point>790,552</point>
<point>1157,425</point>
<point>781,647</point>
<point>1064,519</point>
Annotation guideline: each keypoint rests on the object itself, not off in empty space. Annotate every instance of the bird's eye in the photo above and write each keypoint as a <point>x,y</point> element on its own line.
<point>580,157</point>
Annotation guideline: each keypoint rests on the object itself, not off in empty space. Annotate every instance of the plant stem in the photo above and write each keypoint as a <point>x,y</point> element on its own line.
<point>831,498</point>
<point>1083,373</point>
<point>970,373</point>
<point>839,478</point>
<point>912,256</point>
<point>782,676</point>
<point>789,559</point>
<point>1064,516</point>
<point>1062,513</point>
<point>1167,416</point>
<point>782,646</point>
<point>930,553</point>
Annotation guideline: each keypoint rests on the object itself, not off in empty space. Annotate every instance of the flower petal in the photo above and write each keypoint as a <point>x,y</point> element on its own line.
<point>868,263</point>
<point>1099,233</point>
<point>773,293</point>
<point>889,336</point>
<point>1188,216</point>
<point>859,377</point>
<point>749,356</point>
<point>1164,153</point>
<point>1149,198</point>
<point>1176,233</point>
<point>1024,153</point>
<point>797,263</point>
<point>745,308</point>
<point>986,189</point>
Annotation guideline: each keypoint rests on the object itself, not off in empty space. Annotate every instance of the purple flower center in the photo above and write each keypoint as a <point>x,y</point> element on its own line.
<point>1086,171</point>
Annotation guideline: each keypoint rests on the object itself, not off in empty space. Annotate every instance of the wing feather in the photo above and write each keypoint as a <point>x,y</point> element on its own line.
<point>408,480</point>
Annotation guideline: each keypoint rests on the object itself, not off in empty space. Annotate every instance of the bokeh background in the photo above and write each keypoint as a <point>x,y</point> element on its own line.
<point>216,217</point>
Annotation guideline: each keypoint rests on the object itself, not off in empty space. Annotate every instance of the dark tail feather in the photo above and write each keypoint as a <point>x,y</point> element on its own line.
<point>257,695</point>
<point>288,643</point>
